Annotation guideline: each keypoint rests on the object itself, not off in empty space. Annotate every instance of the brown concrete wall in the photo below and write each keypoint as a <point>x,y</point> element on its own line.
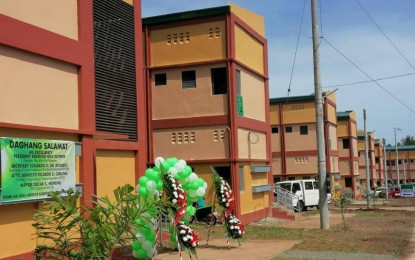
<point>258,147</point>
<point>296,142</point>
<point>301,112</point>
<point>172,101</point>
<point>301,164</point>
<point>209,143</point>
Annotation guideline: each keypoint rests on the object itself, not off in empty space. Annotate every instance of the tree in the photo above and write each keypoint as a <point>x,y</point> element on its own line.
<point>408,140</point>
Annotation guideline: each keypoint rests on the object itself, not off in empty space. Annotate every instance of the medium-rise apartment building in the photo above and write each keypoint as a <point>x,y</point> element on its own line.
<point>207,88</point>
<point>294,139</point>
<point>348,153</point>
<point>362,159</point>
<point>406,162</point>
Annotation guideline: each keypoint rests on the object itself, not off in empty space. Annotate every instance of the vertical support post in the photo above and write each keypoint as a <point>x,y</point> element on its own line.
<point>324,211</point>
<point>366,161</point>
<point>385,170</point>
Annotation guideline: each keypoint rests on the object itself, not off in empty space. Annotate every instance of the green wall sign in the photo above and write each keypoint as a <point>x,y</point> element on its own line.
<point>32,168</point>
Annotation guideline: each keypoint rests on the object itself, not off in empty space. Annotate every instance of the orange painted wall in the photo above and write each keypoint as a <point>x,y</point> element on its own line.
<point>342,128</point>
<point>276,142</point>
<point>199,47</point>
<point>60,17</point>
<point>274,114</point>
<point>293,115</point>
<point>172,101</point>
<point>298,165</point>
<point>42,91</point>
<point>248,50</point>
<point>251,202</point>
<point>255,21</point>
<point>113,169</point>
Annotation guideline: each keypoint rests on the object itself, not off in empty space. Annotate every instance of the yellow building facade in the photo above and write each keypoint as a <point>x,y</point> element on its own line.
<point>207,83</point>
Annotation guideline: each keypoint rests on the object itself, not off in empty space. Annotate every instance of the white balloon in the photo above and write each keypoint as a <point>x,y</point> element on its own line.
<point>135,254</point>
<point>140,238</point>
<point>193,177</point>
<point>158,161</point>
<point>172,171</point>
<point>192,193</point>
<point>150,252</point>
<point>200,191</point>
<point>151,186</point>
<point>205,186</point>
<point>137,188</point>
<point>180,165</point>
<point>147,245</point>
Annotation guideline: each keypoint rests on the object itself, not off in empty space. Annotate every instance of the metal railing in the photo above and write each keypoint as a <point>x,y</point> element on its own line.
<point>284,199</point>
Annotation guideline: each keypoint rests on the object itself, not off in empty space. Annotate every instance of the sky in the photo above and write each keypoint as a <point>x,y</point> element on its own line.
<point>353,48</point>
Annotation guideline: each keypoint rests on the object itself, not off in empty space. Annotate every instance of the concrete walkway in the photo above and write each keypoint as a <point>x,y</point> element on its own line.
<point>411,247</point>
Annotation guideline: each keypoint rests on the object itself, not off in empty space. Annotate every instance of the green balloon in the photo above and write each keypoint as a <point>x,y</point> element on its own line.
<point>187,170</point>
<point>187,186</point>
<point>190,210</point>
<point>142,191</point>
<point>200,182</point>
<point>194,185</point>
<point>138,221</point>
<point>171,161</point>
<point>159,185</point>
<point>151,237</point>
<point>156,169</point>
<point>152,212</point>
<point>152,175</point>
<point>143,181</point>
<point>141,253</point>
<point>165,166</point>
<point>135,245</point>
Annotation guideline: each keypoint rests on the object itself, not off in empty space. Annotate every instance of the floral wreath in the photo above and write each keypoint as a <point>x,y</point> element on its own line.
<point>234,227</point>
<point>187,237</point>
<point>176,195</point>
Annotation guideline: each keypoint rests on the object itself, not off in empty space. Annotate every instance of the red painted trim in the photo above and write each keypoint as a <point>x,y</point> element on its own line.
<point>334,152</point>
<point>276,154</point>
<point>28,37</point>
<point>331,102</point>
<point>141,157</point>
<point>190,64</point>
<point>190,122</point>
<point>302,123</point>
<point>250,217</point>
<point>248,29</point>
<point>302,153</point>
<point>255,72</point>
<point>86,76</point>
<point>26,256</point>
<point>87,171</point>
<point>97,135</point>
<point>116,145</point>
<point>253,124</point>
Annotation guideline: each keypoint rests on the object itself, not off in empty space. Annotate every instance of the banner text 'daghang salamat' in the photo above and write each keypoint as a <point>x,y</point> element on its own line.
<point>32,168</point>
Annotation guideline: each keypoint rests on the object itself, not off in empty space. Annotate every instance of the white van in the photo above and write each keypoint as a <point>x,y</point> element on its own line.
<point>306,191</point>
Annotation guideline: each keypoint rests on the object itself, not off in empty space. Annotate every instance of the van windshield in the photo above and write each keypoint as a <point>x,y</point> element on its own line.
<point>286,186</point>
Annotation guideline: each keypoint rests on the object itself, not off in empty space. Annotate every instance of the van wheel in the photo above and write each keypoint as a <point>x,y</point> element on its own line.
<point>300,206</point>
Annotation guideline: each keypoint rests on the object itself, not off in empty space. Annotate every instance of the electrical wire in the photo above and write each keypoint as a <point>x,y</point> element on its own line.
<point>367,81</point>
<point>296,50</point>
<point>386,36</point>
<point>367,75</point>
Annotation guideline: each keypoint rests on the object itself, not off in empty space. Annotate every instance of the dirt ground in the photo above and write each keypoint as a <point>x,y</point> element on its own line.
<point>376,231</point>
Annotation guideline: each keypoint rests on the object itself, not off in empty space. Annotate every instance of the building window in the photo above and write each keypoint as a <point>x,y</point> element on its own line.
<point>399,161</point>
<point>168,38</point>
<point>393,163</point>
<point>303,130</point>
<point>346,143</point>
<point>348,182</point>
<point>377,160</point>
<point>219,135</point>
<point>189,79</point>
<point>175,38</point>
<point>358,154</point>
<point>192,137</point>
<point>160,79</point>
<point>187,35</point>
<point>274,130</point>
<point>388,163</point>
<point>219,78</point>
<point>288,129</point>
<point>241,179</point>
<point>291,178</point>
<point>214,32</point>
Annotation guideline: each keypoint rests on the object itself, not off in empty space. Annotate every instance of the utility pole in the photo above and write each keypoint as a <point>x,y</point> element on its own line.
<point>366,161</point>
<point>385,170</point>
<point>397,158</point>
<point>321,147</point>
